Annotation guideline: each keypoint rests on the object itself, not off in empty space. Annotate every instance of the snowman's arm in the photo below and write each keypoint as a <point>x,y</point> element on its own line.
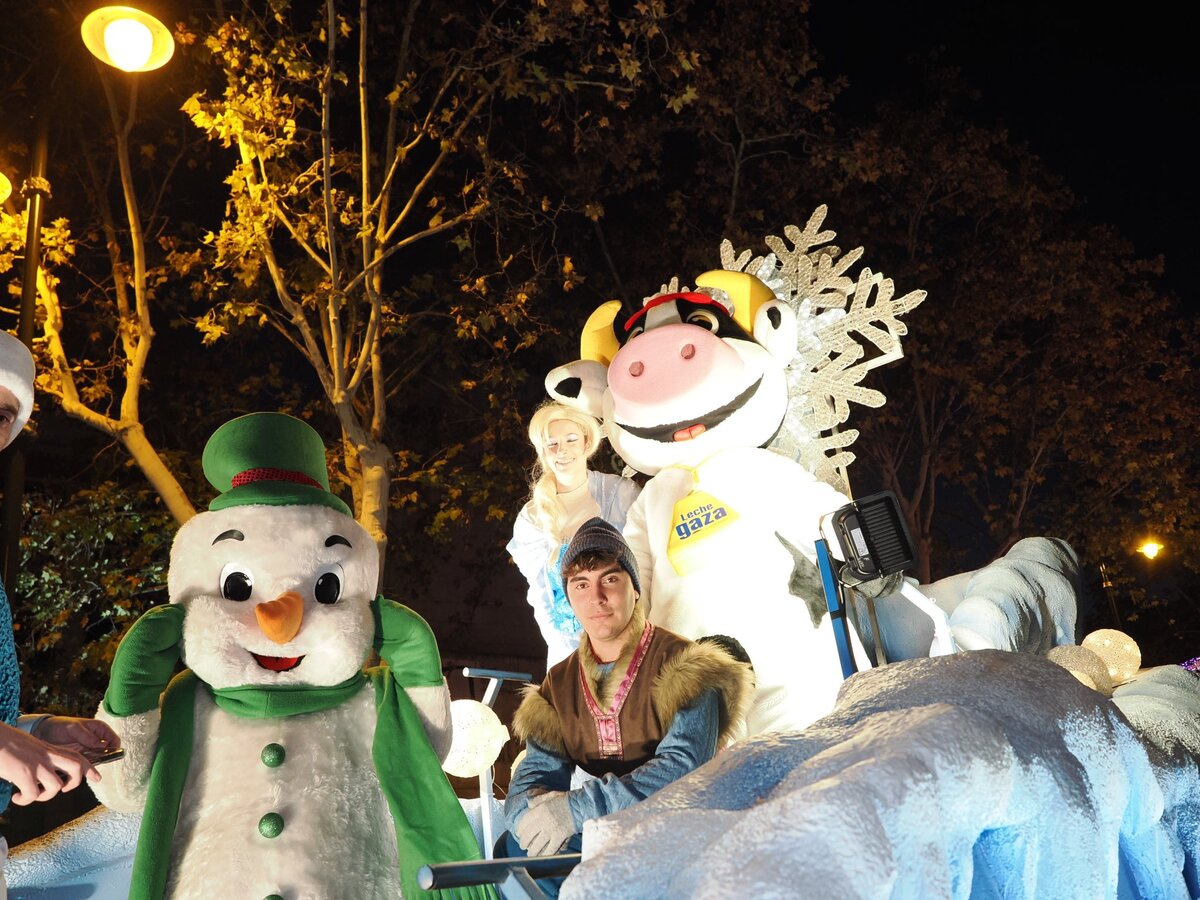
<point>433,706</point>
<point>406,644</point>
<point>124,783</point>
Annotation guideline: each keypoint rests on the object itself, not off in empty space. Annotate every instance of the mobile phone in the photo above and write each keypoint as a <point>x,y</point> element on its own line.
<point>99,757</point>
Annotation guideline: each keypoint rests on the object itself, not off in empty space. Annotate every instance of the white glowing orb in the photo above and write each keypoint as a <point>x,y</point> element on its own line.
<point>1150,549</point>
<point>479,736</point>
<point>128,44</point>
<point>1118,650</point>
<point>5,187</point>
<point>1086,665</point>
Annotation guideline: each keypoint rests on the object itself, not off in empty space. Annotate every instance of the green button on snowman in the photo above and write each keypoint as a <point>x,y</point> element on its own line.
<point>274,612</point>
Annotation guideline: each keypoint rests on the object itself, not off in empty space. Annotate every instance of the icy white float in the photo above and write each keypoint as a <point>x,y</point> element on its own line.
<point>981,775</point>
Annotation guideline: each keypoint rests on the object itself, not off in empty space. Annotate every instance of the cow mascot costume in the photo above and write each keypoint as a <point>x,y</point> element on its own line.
<point>275,766</point>
<point>728,394</point>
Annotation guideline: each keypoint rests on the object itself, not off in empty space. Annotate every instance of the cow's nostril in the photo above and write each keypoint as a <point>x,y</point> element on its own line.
<point>636,368</point>
<point>687,351</point>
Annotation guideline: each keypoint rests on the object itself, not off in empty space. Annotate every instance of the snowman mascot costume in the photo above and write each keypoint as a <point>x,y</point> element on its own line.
<point>274,766</point>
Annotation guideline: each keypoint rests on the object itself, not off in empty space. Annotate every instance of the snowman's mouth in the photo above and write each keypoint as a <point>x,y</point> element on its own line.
<point>278,663</point>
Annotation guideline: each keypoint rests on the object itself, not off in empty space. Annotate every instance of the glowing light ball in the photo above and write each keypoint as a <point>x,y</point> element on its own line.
<point>128,43</point>
<point>5,187</point>
<point>1150,549</point>
<point>1119,651</point>
<point>1086,665</point>
<point>479,736</point>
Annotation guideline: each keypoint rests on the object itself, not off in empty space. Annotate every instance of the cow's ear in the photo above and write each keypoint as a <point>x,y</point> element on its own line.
<point>580,385</point>
<point>775,328</point>
<point>598,340</point>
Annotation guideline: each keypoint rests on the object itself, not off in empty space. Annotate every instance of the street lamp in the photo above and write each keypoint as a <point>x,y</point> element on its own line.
<point>129,39</point>
<point>5,187</point>
<point>1150,548</point>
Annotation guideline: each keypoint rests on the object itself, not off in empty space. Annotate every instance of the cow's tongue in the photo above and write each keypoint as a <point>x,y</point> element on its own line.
<point>692,431</point>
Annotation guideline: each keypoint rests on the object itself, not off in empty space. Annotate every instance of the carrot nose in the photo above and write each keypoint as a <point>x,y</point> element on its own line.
<point>280,618</point>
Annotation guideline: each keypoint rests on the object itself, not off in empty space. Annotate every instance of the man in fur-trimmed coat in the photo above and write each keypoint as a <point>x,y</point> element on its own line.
<point>636,706</point>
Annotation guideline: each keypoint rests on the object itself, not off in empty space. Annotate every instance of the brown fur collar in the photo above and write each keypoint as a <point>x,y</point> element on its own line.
<point>535,718</point>
<point>697,668</point>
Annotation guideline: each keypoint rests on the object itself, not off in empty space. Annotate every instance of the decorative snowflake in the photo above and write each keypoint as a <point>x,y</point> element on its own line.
<point>847,326</point>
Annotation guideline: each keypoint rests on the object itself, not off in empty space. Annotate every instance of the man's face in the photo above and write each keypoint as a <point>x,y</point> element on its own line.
<point>8,414</point>
<point>602,599</point>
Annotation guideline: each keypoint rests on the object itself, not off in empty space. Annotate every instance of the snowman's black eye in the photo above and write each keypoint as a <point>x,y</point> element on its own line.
<point>236,586</point>
<point>328,588</point>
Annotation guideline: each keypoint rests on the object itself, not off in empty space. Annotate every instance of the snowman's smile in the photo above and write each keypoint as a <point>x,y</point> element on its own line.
<point>278,663</point>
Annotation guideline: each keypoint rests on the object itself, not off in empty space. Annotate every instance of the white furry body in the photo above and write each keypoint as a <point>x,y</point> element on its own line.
<point>338,839</point>
<point>743,589</point>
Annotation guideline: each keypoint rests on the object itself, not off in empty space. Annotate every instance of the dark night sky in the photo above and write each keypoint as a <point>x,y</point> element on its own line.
<point>1106,96</point>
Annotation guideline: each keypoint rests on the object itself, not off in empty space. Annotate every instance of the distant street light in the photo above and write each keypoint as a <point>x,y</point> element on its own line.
<point>127,38</point>
<point>1150,549</point>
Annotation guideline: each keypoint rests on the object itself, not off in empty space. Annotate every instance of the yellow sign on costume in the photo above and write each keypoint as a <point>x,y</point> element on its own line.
<point>696,517</point>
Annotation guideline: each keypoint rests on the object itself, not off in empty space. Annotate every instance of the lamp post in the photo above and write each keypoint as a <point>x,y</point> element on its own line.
<point>128,38</point>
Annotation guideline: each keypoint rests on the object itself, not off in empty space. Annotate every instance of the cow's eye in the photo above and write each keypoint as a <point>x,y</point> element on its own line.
<point>702,318</point>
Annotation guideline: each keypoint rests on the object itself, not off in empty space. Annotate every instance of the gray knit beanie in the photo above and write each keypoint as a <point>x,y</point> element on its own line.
<point>16,374</point>
<point>598,535</point>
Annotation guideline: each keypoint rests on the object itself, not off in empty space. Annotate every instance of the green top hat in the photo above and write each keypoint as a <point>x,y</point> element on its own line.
<point>271,459</point>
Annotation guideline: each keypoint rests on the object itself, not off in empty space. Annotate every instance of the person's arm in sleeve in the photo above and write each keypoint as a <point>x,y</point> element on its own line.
<point>542,770</point>
<point>690,742</point>
<point>529,546</point>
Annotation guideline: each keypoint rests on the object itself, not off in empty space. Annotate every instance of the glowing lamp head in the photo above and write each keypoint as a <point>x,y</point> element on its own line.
<point>127,38</point>
<point>5,187</point>
<point>1150,549</point>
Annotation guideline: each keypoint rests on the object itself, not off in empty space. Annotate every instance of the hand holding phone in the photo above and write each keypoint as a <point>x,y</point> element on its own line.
<point>99,757</point>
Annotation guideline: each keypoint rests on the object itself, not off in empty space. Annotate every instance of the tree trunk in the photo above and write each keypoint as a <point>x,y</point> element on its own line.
<point>133,439</point>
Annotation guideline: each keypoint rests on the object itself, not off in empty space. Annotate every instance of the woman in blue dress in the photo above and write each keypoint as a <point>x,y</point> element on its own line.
<point>564,494</point>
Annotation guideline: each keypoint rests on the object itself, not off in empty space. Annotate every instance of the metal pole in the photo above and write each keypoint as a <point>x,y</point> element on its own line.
<point>486,779</point>
<point>36,191</point>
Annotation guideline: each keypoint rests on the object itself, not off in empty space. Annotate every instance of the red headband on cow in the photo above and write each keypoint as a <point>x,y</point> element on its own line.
<point>690,296</point>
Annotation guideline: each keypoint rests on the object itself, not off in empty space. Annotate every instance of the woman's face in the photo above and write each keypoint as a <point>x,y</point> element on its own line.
<point>565,453</point>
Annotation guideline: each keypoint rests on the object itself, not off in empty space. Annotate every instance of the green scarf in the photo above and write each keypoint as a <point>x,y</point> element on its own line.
<point>430,824</point>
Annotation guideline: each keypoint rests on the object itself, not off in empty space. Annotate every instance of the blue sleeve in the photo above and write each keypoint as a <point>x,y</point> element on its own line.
<point>689,744</point>
<point>541,770</point>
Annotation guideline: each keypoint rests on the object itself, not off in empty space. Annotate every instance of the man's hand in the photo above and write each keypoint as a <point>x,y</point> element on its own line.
<point>145,661</point>
<point>406,644</point>
<point>37,770</point>
<point>547,824</point>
